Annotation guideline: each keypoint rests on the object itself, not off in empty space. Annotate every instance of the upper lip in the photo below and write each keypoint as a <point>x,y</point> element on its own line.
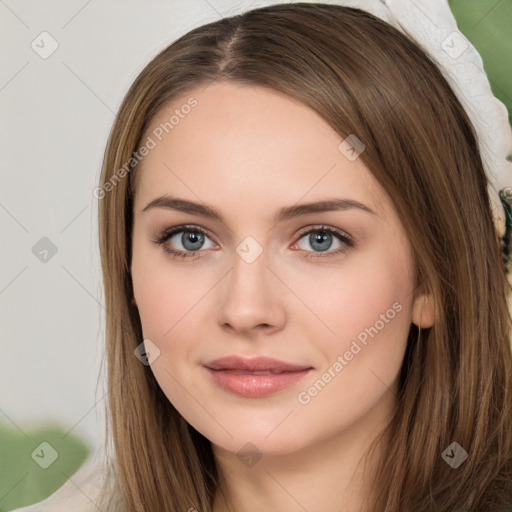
<point>254,364</point>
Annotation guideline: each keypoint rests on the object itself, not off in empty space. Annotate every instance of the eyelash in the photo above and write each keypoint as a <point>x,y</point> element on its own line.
<point>173,253</point>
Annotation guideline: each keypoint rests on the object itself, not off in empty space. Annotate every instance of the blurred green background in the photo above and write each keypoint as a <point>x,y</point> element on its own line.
<point>23,478</point>
<point>487,24</point>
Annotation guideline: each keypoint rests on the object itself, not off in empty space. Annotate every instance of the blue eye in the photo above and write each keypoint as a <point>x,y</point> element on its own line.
<point>321,239</point>
<point>192,239</point>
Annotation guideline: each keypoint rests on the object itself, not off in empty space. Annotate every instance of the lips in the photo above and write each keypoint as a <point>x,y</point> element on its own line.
<point>256,377</point>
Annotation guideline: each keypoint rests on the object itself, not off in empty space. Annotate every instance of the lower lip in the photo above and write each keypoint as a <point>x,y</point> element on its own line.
<point>255,386</point>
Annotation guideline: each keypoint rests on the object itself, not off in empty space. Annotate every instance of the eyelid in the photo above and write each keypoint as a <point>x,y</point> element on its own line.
<point>327,228</point>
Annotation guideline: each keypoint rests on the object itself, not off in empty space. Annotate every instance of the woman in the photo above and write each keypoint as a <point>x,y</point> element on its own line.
<point>306,302</point>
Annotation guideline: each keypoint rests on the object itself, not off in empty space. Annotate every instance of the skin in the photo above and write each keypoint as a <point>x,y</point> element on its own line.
<point>248,151</point>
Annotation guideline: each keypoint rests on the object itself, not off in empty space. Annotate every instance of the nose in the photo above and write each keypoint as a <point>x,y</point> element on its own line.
<point>251,298</point>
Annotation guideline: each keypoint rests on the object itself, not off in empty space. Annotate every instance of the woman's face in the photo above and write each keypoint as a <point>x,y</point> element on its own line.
<point>257,282</point>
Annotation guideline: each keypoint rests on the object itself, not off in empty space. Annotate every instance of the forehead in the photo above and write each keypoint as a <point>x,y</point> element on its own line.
<point>252,142</point>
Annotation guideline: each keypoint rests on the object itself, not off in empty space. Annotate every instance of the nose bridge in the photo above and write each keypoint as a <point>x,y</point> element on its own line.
<point>250,276</point>
<point>251,295</point>
<point>250,270</point>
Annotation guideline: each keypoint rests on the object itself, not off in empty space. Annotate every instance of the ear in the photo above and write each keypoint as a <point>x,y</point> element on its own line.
<point>423,310</point>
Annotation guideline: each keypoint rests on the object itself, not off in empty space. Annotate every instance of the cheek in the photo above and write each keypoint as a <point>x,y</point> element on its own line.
<point>169,302</point>
<point>365,309</point>
<point>369,310</point>
<point>368,290</point>
<point>166,294</point>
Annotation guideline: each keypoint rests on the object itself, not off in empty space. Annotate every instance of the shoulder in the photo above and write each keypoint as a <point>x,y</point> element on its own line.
<point>81,490</point>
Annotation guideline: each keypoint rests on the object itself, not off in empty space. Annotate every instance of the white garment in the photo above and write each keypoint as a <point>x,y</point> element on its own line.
<point>80,493</point>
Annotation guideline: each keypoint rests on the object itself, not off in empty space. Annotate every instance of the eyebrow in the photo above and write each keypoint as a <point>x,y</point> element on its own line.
<point>286,213</point>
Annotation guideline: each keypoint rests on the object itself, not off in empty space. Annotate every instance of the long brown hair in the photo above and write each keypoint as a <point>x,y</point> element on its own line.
<point>365,78</point>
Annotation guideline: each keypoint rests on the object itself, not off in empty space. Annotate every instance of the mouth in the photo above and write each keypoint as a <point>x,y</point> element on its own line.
<point>256,377</point>
<point>254,364</point>
<point>249,372</point>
